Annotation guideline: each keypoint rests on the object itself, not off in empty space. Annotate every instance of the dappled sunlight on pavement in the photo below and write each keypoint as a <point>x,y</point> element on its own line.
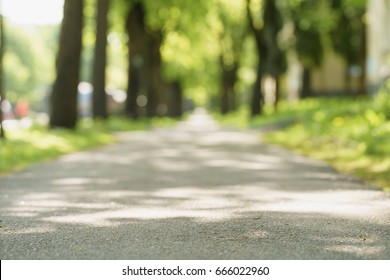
<point>194,191</point>
<point>104,208</point>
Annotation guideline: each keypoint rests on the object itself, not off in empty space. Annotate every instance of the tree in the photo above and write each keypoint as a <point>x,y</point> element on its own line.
<point>275,62</point>
<point>310,53</point>
<point>231,41</point>
<point>2,95</point>
<point>175,99</point>
<point>262,52</point>
<point>348,38</point>
<point>135,27</point>
<point>153,71</point>
<point>228,81</point>
<point>145,78</point>
<point>312,21</point>
<point>271,57</point>
<point>100,61</point>
<point>28,69</point>
<point>64,95</point>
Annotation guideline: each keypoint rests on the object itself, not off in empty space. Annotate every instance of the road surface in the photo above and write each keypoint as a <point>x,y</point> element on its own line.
<point>195,191</point>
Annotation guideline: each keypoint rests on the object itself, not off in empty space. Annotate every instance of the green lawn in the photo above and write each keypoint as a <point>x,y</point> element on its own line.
<point>353,135</point>
<point>25,147</point>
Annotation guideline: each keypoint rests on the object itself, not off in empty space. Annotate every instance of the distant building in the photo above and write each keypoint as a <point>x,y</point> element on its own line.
<point>378,64</point>
<point>329,79</point>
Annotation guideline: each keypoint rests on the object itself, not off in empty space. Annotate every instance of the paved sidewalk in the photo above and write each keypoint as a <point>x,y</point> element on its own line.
<point>192,192</point>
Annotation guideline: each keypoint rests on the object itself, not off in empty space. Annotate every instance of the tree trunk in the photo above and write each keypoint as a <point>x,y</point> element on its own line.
<point>224,106</point>
<point>348,81</point>
<point>177,100</point>
<point>363,57</point>
<point>256,104</point>
<point>136,31</point>
<point>2,95</point>
<point>153,71</point>
<point>144,65</point>
<point>64,96</point>
<point>306,83</point>
<point>277,91</point>
<point>229,78</point>
<point>257,94</point>
<point>99,69</point>
<point>224,101</point>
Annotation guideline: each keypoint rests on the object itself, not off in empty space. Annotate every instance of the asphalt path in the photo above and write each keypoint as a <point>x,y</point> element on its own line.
<point>195,191</point>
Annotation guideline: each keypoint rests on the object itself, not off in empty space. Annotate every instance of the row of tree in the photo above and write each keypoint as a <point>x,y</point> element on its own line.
<point>218,47</point>
<point>144,66</point>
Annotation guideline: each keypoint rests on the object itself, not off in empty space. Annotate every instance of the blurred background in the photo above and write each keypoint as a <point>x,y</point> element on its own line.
<point>251,62</point>
<point>327,47</point>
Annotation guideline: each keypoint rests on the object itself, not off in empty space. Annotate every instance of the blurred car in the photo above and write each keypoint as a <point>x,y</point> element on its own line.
<point>7,109</point>
<point>115,100</point>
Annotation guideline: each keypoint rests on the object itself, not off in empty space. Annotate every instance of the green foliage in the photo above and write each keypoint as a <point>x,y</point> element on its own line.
<point>346,32</point>
<point>28,69</point>
<point>312,21</point>
<point>190,50</point>
<point>196,35</point>
<point>190,44</point>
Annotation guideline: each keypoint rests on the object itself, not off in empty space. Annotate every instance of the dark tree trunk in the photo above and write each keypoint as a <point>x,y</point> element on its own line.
<point>99,70</point>
<point>277,91</point>
<point>256,104</point>
<point>228,82</point>
<point>362,90</point>
<point>224,101</point>
<point>306,83</point>
<point>229,78</point>
<point>257,94</point>
<point>131,108</point>
<point>64,96</point>
<point>136,31</point>
<point>144,64</point>
<point>224,106</point>
<point>2,132</point>
<point>275,60</point>
<point>177,100</point>
<point>153,70</point>
<point>348,81</point>
<point>2,95</point>
<point>229,63</point>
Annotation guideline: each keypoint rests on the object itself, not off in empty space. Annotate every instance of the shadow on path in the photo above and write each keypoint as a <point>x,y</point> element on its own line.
<point>192,192</point>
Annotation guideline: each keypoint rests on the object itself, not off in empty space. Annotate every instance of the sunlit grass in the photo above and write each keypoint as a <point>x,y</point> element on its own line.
<point>353,135</point>
<point>24,147</point>
<point>285,113</point>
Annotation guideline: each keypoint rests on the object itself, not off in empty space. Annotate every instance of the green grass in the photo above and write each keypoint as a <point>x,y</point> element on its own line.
<point>286,113</point>
<point>353,135</point>
<point>26,147</point>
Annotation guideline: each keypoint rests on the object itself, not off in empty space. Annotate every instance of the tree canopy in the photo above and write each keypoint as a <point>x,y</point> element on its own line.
<point>215,52</point>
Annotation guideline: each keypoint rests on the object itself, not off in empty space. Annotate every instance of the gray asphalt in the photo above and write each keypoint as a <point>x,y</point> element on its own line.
<point>195,191</point>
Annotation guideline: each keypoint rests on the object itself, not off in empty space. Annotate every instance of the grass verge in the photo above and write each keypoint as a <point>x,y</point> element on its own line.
<point>24,147</point>
<point>353,135</point>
